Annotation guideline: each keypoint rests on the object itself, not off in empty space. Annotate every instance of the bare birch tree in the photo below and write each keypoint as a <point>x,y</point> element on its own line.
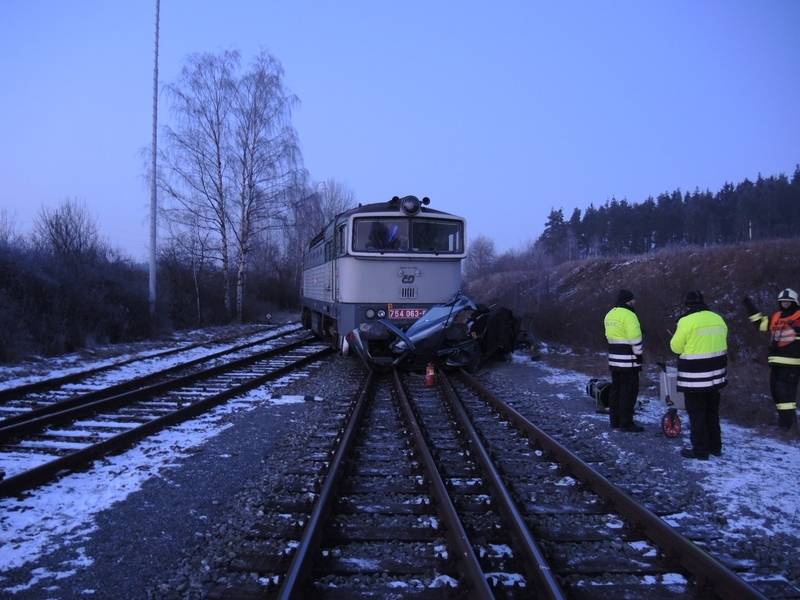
<point>230,157</point>
<point>197,168</point>
<point>335,198</point>
<point>190,244</point>
<point>265,155</point>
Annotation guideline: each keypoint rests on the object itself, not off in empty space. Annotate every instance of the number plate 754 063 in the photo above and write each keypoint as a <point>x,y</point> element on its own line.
<point>406,313</point>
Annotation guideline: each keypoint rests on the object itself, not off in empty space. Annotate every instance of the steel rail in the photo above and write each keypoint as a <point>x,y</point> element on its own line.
<point>308,548</point>
<point>43,384</point>
<point>705,568</point>
<point>43,473</point>
<point>131,384</point>
<point>35,423</point>
<point>466,559</point>
<point>535,562</point>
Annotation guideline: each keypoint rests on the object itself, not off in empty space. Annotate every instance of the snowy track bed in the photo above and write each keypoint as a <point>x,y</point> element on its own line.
<point>176,527</point>
<point>140,509</point>
<point>43,443</point>
<point>740,507</point>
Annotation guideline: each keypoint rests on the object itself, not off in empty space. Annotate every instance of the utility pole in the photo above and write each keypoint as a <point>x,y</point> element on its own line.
<point>153,172</point>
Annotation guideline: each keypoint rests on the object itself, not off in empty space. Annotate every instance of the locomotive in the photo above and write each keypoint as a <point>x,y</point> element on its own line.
<point>388,261</point>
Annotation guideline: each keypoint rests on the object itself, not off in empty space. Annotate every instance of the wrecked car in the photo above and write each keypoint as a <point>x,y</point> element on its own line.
<point>459,333</point>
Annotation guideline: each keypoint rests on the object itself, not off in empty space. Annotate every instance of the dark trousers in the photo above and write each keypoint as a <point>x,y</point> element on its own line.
<point>622,398</point>
<point>783,386</point>
<point>703,409</point>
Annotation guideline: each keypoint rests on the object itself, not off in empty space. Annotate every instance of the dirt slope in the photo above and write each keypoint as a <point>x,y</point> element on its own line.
<point>567,305</point>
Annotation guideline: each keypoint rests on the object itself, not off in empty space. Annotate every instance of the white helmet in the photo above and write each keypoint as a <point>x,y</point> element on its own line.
<point>788,295</point>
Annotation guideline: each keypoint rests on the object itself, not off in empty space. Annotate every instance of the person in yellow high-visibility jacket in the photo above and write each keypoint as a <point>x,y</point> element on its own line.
<point>624,335</point>
<point>701,343</point>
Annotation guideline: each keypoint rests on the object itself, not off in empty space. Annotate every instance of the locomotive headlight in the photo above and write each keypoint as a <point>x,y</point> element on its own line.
<point>370,313</point>
<point>381,313</point>
<point>410,205</point>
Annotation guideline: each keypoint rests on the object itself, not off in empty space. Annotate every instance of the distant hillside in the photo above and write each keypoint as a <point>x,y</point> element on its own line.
<point>567,304</point>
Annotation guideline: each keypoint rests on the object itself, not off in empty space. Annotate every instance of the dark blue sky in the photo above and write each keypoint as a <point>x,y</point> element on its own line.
<point>498,112</point>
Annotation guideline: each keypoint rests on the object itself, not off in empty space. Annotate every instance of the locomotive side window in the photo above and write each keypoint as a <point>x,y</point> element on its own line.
<point>341,240</point>
<point>437,236</point>
<point>380,235</point>
<point>314,256</point>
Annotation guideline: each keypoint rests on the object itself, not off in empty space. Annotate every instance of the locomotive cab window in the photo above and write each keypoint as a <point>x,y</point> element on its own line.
<point>438,236</point>
<point>380,235</point>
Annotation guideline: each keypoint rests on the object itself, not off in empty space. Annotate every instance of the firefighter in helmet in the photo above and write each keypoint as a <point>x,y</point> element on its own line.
<point>784,353</point>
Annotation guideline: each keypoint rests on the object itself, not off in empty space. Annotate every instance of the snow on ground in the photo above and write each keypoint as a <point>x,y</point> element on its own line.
<point>756,481</point>
<point>71,363</point>
<point>61,515</point>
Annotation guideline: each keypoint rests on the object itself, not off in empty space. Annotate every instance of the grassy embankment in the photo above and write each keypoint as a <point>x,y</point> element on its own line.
<point>567,305</point>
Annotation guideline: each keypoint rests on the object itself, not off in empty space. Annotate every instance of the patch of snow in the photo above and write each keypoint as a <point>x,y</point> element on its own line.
<point>141,367</point>
<point>365,564</point>
<point>42,574</point>
<point>500,550</point>
<point>506,579</point>
<point>756,481</point>
<point>61,514</point>
<point>521,357</point>
<point>443,580</point>
<point>17,462</point>
<point>644,547</point>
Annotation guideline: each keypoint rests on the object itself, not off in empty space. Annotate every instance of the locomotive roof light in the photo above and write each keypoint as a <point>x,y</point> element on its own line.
<point>381,313</point>
<point>370,313</point>
<point>411,205</point>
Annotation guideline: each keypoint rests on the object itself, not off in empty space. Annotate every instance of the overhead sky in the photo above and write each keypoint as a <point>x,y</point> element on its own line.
<point>497,111</point>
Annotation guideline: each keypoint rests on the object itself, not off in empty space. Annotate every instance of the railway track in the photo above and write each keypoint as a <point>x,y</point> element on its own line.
<point>40,444</point>
<point>30,401</point>
<point>448,492</point>
<point>14,400</point>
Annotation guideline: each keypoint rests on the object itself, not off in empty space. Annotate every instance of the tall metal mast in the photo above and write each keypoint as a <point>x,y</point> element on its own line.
<point>153,200</point>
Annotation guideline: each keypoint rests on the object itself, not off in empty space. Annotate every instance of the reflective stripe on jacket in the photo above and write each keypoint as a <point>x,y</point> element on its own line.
<point>784,330</point>
<point>701,341</point>
<point>624,335</point>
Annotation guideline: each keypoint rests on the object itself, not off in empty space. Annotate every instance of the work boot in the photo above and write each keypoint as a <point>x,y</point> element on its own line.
<point>689,453</point>
<point>787,434</point>
<point>633,428</point>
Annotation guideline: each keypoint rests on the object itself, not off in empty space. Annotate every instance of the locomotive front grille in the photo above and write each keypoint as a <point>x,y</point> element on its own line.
<point>408,293</point>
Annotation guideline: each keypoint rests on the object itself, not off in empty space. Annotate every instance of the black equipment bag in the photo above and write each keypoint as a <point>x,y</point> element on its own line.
<point>600,391</point>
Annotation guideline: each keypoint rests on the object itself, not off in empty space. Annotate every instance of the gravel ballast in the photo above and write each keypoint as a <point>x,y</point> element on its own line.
<point>177,535</point>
